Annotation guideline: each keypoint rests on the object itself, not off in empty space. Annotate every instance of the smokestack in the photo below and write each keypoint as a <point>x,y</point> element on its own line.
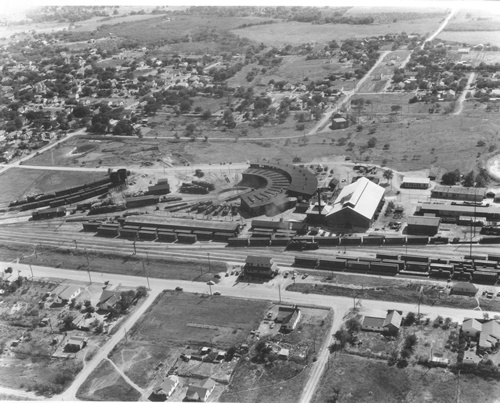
<point>319,202</point>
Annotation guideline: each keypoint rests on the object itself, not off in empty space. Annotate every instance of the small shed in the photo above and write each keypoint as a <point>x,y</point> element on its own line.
<point>463,288</point>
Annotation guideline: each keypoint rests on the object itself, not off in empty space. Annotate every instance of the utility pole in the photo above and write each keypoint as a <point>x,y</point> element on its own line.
<point>135,251</point>
<point>209,265</point>
<point>126,339</point>
<point>146,273</point>
<point>88,265</point>
<point>279,292</point>
<point>31,271</point>
<point>76,245</point>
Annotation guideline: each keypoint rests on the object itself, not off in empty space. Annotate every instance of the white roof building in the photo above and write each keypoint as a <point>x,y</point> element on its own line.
<point>356,205</point>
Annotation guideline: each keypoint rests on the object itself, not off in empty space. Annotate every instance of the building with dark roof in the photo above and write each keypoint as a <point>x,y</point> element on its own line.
<point>162,222</point>
<point>356,206</point>
<point>420,225</point>
<point>458,193</point>
<point>462,288</point>
<point>447,210</point>
<point>201,392</point>
<point>389,321</point>
<point>261,266</point>
<point>411,182</point>
<point>274,186</point>
<point>288,316</point>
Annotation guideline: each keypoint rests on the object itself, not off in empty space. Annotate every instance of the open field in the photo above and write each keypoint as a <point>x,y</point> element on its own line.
<point>166,27</point>
<point>356,379</point>
<point>301,32</point>
<point>479,19</point>
<point>94,23</point>
<point>471,37</point>
<point>110,263</point>
<point>17,183</point>
<point>398,293</point>
<point>105,384</point>
<point>199,320</point>
<point>255,382</point>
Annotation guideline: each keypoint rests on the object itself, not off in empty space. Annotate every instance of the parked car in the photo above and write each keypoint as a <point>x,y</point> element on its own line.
<point>216,293</point>
<point>178,289</point>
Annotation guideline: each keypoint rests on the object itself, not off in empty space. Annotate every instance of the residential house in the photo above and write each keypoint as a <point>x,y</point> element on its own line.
<point>63,294</point>
<point>84,321</point>
<point>389,322</point>
<point>201,392</point>
<point>164,389</point>
<point>284,353</point>
<point>339,123</point>
<point>75,344</point>
<point>288,317</point>
<point>471,327</point>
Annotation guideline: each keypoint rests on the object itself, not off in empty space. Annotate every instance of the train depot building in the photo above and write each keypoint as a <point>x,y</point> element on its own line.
<point>458,193</point>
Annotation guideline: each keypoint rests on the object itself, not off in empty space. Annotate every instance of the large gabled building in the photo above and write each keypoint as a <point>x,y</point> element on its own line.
<point>356,206</point>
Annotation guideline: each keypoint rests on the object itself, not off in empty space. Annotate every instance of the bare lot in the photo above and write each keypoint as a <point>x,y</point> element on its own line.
<point>356,379</point>
<point>18,183</point>
<point>301,32</point>
<point>199,319</point>
<point>105,384</point>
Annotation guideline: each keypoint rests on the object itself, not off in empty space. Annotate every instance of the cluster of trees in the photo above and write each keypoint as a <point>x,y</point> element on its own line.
<point>347,334</point>
<point>470,180</point>
<point>407,349</point>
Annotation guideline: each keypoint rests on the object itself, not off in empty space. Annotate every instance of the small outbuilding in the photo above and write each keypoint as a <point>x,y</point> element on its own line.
<point>411,182</point>
<point>463,288</point>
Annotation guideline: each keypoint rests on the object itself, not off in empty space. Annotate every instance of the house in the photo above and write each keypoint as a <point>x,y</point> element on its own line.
<point>75,344</point>
<point>489,338</point>
<point>164,389</point>
<point>389,322</point>
<point>85,321</point>
<point>262,266</point>
<point>339,123</point>
<point>62,294</point>
<point>108,300</point>
<point>288,317</point>
<point>201,392</point>
<point>471,327</point>
<point>462,288</point>
<point>284,353</point>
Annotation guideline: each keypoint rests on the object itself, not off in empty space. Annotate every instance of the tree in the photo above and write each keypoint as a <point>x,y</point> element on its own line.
<point>372,142</point>
<point>409,319</point>
<point>388,174</point>
<point>81,111</point>
<point>396,108</point>
<point>206,114</point>
<point>451,178</point>
<point>353,325</point>
<point>410,343</point>
<point>469,179</point>
<point>141,291</point>
<point>190,129</point>
<point>123,128</point>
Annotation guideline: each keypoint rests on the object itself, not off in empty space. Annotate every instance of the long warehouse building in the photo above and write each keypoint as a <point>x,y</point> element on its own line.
<point>446,210</point>
<point>162,222</point>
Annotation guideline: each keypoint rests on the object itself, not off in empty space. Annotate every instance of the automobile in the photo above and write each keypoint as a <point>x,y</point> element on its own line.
<point>178,288</point>
<point>216,293</point>
<point>293,277</point>
<point>217,275</point>
<point>270,315</point>
<point>347,158</point>
<point>271,325</point>
<point>304,276</point>
<point>227,275</point>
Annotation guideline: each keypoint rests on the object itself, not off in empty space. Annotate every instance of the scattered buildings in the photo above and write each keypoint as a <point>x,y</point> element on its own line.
<point>339,123</point>
<point>75,344</point>
<point>108,300</point>
<point>164,389</point>
<point>486,331</point>
<point>446,210</point>
<point>357,205</point>
<point>62,294</point>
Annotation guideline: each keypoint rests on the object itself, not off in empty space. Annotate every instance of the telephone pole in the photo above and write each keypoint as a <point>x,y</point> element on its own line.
<point>146,273</point>
<point>88,265</point>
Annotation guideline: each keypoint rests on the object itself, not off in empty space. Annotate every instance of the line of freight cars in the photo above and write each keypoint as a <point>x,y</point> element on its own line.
<point>478,269</point>
<point>148,233</point>
<point>74,196</point>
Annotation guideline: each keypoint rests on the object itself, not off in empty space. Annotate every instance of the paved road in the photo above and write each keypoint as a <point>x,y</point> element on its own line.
<point>441,27</point>
<point>19,393</point>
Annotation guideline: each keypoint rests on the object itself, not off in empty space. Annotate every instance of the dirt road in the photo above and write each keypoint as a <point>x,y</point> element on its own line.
<point>461,99</point>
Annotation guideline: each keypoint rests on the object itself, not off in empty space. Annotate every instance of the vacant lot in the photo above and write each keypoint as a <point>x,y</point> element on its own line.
<point>355,379</point>
<point>17,183</point>
<point>105,384</point>
<point>302,32</point>
<point>199,319</point>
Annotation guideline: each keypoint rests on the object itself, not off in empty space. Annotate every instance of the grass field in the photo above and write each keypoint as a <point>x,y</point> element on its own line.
<point>397,293</point>
<point>105,384</point>
<point>301,32</point>
<point>479,19</point>
<point>355,379</point>
<point>18,182</point>
<point>109,263</point>
<point>229,320</point>
<point>471,37</point>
